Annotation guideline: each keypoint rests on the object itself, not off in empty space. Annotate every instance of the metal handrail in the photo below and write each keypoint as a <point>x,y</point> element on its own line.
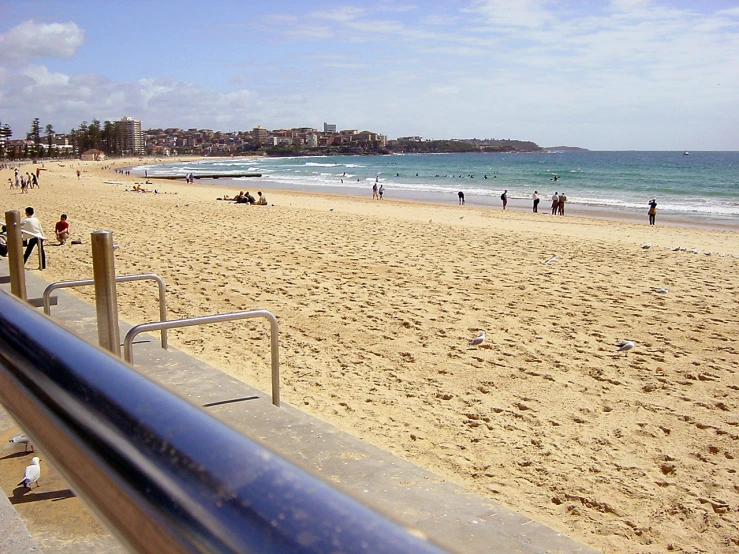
<point>164,475</point>
<point>188,322</point>
<point>119,279</point>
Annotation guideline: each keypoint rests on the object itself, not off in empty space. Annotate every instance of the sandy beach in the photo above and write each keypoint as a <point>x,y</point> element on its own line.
<point>626,452</point>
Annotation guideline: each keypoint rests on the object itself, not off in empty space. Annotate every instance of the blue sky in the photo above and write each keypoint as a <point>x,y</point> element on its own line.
<point>605,75</point>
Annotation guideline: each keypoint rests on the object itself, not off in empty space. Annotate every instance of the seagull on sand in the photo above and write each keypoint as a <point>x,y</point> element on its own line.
<point>33,472</point>
<point>478,339</point>
<point>624,345</point>
<point>660,291</point>
<point>647,246</point>
<point>22,439</point>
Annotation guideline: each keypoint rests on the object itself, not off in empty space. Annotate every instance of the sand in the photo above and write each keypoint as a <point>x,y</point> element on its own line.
<point>631,452</point>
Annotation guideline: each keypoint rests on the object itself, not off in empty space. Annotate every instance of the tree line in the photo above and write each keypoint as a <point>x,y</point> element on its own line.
<point>106,136</point>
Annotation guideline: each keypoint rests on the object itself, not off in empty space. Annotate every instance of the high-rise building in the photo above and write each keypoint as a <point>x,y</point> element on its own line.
<point>130,138</point>
<point>329,127</point>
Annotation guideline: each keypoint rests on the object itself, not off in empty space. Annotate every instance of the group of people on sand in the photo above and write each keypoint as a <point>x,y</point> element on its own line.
<point>377,192</point>
<point>33,235</point>
<point>247,198</point>
<point>24,182</point>
<point>558,203</point>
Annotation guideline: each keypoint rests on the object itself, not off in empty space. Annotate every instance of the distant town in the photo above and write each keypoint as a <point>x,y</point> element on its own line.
<point>125,137</point>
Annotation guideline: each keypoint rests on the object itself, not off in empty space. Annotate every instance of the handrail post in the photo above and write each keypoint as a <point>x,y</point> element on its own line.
<point>15,254</point>
<point>106,299</point>
<point>275,340</point>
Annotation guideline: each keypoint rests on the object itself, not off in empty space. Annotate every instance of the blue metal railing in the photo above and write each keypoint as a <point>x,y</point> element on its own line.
<point>164,475</point>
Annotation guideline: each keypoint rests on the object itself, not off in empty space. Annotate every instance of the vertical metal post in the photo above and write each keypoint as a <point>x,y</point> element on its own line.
<point>15,254</point>
<point>275,340</point>
<point>106,299</point>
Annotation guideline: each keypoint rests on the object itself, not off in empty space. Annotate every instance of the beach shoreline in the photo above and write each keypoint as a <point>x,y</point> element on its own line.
<point>573,209</point>
<point>377,300</point>
<point>606,185</point>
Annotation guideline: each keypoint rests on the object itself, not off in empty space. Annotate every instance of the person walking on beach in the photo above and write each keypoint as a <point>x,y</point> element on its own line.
<point>535,198</point>
<point>381,191</point>
<point>504,198</point>
<point>461,198</point>
<point>374,191</point>
<point>32,225</point>
<point>555,203</point>
<point>652,213</point>
<point>562,200</point>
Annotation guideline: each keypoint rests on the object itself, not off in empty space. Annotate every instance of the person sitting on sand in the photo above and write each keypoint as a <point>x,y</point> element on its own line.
<point>62,229</point>
<point>262,199</point>
<point>239,198</point>
<point>249,198</point>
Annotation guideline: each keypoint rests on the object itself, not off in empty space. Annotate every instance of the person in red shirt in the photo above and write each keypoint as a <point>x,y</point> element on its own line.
<point>62,229</point>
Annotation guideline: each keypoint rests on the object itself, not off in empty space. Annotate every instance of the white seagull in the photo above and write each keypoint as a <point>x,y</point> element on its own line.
<point>33,472</point>
<point>660,291</point>
<point>647,246</point>
<point>22,439</point>
<point>478,339</point>
<point>625,345</point>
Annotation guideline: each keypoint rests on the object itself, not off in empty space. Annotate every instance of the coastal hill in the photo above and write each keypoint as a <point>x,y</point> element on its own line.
<point>565,149</point>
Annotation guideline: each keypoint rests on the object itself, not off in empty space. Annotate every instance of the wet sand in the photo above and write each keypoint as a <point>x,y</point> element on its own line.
<point>631,452</point>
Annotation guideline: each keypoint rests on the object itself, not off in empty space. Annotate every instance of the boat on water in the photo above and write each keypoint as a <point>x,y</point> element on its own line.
<point>686,153</point>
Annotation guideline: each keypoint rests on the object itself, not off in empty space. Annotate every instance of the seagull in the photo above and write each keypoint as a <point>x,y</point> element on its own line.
<point>550,260</point>
<point>647,246</point>
<point>661,291</point>
<point>33,472</point>
<point>22,439</point>
<point>624,345</point>
<point>478,339</point>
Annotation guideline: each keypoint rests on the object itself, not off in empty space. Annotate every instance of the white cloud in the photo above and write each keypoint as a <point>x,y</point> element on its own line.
<point>519,14</point>
<point>35,40</point>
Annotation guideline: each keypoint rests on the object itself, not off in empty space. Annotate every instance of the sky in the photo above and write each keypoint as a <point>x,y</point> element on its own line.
<point>603,75</point>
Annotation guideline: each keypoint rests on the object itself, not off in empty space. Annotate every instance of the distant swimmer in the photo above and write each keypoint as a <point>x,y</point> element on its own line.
<point>555,178</point>
<point>485,177</point>
<point>461,198</point>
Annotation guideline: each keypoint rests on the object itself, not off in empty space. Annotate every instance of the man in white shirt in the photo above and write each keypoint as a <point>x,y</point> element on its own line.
<point>535,198</point>
<point>34,234</point>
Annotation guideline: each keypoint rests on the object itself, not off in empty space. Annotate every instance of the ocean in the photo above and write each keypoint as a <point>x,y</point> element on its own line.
<point>699,185</point>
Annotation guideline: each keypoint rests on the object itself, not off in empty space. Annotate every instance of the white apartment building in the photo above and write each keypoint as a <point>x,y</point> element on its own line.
<point>130,138</point>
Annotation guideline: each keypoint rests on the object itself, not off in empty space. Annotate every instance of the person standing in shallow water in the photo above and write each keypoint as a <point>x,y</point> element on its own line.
<point>652,213</point>
<point>461,198</point>
<point>535,198</point>
<point>504,198</point>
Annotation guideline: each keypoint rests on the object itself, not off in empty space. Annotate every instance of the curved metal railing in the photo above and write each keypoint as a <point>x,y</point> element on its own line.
<point>164,475</point>
<point>203,320</point>
<point>119,279</point>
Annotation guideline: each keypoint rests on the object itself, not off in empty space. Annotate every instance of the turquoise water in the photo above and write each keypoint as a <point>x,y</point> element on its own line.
<point>703,184</point>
